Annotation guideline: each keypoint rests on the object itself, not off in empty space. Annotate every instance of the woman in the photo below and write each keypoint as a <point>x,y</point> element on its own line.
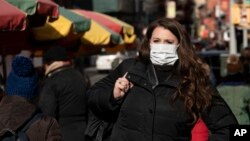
<point>162,94</point>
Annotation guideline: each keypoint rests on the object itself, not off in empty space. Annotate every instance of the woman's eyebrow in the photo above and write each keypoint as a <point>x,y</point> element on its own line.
<point>169,40</point>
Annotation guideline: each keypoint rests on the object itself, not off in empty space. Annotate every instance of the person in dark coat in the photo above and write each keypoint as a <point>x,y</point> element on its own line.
<point>17,107</point>
<point>234,86</point>
<point>63,94</point>
<point>161,94</point>
<point>234,76</point>
<point>245,60</point>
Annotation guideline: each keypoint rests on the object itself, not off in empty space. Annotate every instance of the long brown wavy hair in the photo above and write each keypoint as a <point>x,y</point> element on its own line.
<point>195,88</point>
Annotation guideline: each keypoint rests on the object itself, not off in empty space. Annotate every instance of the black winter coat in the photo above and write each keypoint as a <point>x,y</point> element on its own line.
<point>63,96</point>
<point>146,113</point>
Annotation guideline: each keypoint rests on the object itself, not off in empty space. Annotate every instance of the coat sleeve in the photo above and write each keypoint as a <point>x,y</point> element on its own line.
<point>218,118</point>
<point>100,96</point>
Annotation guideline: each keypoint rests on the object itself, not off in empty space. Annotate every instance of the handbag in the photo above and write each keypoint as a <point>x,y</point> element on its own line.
<point>98,129</point>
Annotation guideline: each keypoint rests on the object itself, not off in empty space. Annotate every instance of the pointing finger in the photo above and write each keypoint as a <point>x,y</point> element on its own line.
<point>124,76</point>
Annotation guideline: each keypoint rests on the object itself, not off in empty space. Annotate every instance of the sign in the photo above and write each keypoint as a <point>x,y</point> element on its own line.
<point>241,15</point>
<point>170,9</point>
<point>235,12</point>
<point>245,16</point>
<point>239,133</point>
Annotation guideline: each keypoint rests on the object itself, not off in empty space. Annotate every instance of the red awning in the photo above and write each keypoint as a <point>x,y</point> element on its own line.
<point>15,14</point>
<point>11,17</point>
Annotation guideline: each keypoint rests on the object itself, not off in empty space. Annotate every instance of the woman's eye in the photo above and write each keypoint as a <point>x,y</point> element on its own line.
<point>156,41</point>
<point>169,42</point>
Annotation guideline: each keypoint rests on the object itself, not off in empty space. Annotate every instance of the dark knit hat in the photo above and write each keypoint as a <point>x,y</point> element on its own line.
<point>22,79</point>
<point>55,53</point>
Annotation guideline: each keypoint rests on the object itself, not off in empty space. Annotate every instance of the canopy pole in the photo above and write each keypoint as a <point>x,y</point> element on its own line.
<point>232,43</point>
<point>245,38</point>
<point>4,63</point>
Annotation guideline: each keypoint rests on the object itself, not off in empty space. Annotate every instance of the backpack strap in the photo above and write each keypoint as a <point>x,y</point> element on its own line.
<point>32,120</point>
<point>22,136</point>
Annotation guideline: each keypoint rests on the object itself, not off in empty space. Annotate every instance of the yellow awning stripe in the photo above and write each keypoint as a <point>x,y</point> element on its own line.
<point>97,35</point>
<point>53,30</point>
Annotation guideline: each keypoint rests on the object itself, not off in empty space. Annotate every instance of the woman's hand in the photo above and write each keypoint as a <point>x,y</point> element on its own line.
<point>122,85</point>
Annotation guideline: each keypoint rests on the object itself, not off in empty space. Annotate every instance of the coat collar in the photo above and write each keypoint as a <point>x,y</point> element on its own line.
<point>14,111</point>
<point>144,74</point>
<point>51,73</point>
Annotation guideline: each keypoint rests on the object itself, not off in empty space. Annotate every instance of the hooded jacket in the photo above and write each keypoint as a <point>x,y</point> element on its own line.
<point>15,111</point>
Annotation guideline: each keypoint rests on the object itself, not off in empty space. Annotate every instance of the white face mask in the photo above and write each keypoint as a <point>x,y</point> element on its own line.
<point>163,54</point>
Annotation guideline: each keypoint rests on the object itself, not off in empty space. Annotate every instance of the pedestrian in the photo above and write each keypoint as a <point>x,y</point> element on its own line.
<point>63,94</point>
<point>17,107</point>
<point>234,75</point>
<point>245,60</point>
<point>232,87</point>
<point>161,94</point>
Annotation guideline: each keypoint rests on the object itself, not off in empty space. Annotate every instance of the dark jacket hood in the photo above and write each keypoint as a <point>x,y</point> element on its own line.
<point>14,111</point>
